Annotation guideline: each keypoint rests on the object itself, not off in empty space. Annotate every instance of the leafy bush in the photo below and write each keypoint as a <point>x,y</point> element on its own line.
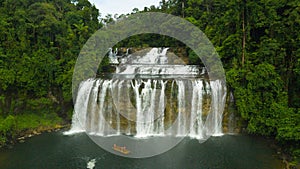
<point>7,129</point>
<point>11,126</point>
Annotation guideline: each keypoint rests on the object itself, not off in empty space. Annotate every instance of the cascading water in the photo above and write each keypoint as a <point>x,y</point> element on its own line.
<point>168,100</point>
<point>113,56</point>
<point>196,125</point>
<point>218,103</point>
<point>181,128</point>
<point>81,105</point>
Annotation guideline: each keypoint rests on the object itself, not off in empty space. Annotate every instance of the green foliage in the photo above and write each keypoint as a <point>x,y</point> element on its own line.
<point>6,78</point>
<point>39,44</point>
<point>10,126</point>
<point>7,129</point>
<point>289,126</point>
<point>258,43</point>
<point>194,58</point>
<point>147,40</point>
<point>33,121</point>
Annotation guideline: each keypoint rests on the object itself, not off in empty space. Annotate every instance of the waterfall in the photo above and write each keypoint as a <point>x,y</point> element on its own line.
<point>154,106</point>
<point>149,107</point>
<point>92,116</point>
<point>181,128</point>
<point>161,109</point>
<point>113,56</point>
<point>81,105</point>
<point>196,124</point>
<point>214,119</point>
<point>150,58</point>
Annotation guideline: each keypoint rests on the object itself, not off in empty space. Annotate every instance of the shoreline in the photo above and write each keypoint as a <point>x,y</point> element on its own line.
<point>279,152</point>
<point>22,136</point>
<point>43,129</point>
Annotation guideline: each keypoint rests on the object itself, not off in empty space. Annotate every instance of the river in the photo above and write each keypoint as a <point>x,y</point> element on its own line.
<point>57,151</point>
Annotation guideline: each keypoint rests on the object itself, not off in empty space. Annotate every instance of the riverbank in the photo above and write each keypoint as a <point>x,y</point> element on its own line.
<point>16,128</point>
<point>281,152</point>
<point>41,129</point>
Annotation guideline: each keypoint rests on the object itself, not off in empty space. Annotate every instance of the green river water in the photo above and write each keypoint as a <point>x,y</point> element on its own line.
<point>57,151</point>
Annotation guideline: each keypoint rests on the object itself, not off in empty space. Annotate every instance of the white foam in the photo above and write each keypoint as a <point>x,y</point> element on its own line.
<point>91,164</point>
<point>72,132</point>
<point>218,134</point>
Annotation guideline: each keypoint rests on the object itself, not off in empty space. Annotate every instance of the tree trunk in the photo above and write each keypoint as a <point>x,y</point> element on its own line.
<point>182,5</point>
<point>244,36</point>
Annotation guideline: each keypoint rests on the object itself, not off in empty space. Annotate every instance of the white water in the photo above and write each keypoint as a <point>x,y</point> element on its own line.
<point>181,128</point>
<point>91,164</point>
<point>155,62</point>
<point>196,125</point>
<point>161,109</point>
<point>101,113</point>
<point>113,56</point>
<point>158,69</point>
<point>217,108</point>
<point>93,114</point>
<point>152,57</point>
<point>80,108</point>
<point>139,106</point>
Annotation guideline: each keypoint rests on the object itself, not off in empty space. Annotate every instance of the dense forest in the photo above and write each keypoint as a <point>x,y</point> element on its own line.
<point>257,41</point>
<point>259,45</point>
<point>39,44</point>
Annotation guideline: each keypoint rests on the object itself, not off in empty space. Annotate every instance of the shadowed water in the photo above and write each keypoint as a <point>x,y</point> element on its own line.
<point>57,151</point>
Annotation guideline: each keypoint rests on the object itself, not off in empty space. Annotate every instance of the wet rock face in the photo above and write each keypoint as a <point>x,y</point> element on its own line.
<point>232,121</point>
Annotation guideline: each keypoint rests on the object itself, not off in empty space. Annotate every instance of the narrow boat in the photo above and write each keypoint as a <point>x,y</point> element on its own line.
<point>121,149</point>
